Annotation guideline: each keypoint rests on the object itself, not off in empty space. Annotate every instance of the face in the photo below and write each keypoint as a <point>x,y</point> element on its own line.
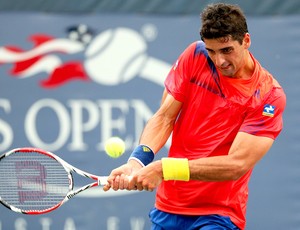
<point>229,56</point>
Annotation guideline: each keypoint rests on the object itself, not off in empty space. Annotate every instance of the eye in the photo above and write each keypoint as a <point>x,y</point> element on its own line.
<point>210,51</point>
<point>227,50</point>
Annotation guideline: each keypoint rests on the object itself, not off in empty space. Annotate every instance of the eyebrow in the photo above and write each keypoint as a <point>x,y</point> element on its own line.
<point>225,48</point>
<point>208,49</point>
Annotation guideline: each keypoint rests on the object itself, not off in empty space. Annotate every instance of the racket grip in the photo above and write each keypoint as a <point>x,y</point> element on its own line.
<point>103,180</point>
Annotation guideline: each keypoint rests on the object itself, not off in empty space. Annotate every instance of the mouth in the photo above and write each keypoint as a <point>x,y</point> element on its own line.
<point>226,70</point>
<point>224,67</point>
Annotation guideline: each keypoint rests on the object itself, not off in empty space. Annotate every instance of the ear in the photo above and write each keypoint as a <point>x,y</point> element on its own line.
<point>247,41</point>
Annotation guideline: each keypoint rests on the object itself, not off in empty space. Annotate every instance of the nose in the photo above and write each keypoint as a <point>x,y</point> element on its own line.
<point>219,60</point>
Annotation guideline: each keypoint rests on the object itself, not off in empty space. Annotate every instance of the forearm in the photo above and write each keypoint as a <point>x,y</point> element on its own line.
<point>160,126</point>
<point>244,153</point>
<point>219,168</point>
<point>157,132</point>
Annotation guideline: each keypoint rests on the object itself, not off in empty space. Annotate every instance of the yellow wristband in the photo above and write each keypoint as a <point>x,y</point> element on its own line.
<point>175,168</point>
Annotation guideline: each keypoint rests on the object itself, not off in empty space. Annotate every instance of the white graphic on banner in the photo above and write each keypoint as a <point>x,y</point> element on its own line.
<point>112,57</point>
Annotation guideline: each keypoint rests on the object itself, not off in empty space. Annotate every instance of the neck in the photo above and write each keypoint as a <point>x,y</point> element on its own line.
<point>246,71</point>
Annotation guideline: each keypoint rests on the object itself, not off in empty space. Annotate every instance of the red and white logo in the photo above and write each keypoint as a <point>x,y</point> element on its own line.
<point>111,57</point>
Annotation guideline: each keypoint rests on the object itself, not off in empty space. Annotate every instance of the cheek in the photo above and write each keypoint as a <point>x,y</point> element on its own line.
<point>237,60</point>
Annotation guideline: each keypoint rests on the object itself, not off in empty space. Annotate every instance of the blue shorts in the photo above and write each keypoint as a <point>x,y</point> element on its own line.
<point>167,221</point>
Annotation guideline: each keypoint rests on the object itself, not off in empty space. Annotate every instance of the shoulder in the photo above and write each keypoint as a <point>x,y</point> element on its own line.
<point>195,55</point>
<point>276,91</point>
<point>268,85</point>
<point>275,98</point>
<point>278,97</point>
<point>198,48</point>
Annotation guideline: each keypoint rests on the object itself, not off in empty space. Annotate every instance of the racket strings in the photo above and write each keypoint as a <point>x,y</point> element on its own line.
<point>32,181</point>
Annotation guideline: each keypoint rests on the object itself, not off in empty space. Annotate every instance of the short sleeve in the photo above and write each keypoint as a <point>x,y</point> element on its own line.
<point>267,119</point>
<point>178,77</point>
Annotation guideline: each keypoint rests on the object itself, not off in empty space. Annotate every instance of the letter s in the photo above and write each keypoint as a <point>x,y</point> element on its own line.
<point>5,130</point>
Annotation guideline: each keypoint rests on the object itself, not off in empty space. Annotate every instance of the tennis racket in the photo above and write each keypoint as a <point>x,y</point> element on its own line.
<point>34,181</point>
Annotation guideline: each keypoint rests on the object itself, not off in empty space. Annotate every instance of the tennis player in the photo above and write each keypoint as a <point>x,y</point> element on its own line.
<point>224,111</point>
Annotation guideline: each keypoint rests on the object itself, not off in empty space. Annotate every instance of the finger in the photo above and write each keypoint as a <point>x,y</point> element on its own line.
<point>127,180</point>
<point>132,183</point>
<point>111,179</point>
<point>148,186</point>
<point>139,187</point>
<point>106,187</point>
<point>149,189</point>
<point>114,173</point>
<point>131,187</point>
<point>123,182</point>
<point>115,183</point>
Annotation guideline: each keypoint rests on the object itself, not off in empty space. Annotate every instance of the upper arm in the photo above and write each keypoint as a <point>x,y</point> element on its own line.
<point>266,119</point>
<point>170,107</point>
<point>248,149</point>
<point>259,130</point>
<point>160,126</point>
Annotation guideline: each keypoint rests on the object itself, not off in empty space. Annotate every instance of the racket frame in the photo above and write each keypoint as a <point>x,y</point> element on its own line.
<point>70,169</point>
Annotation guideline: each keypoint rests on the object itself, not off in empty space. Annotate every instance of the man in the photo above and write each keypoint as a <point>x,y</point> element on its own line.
<point>224,112</point>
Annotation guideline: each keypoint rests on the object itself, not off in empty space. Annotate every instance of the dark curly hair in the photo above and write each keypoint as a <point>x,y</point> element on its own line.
<point>221,20</point>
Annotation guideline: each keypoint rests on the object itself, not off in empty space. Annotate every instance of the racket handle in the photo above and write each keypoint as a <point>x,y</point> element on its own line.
<point>103,180</point>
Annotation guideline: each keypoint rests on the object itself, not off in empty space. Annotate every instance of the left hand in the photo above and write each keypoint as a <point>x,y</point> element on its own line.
<point>147,178</point>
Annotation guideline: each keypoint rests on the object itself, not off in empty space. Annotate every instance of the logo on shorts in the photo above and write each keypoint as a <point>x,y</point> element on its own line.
<point>268,110</point>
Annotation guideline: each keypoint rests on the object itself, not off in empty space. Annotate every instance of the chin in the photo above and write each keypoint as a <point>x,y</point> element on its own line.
<point>228,74</point>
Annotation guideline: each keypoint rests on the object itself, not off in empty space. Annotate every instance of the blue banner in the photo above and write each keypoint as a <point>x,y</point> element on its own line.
<point>70,82</point>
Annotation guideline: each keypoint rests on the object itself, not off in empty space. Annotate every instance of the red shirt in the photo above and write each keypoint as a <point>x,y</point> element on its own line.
<point>215,108</point>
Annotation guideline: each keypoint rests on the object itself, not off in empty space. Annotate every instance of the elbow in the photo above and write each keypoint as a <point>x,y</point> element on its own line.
<point>239,170</point>
<point>237,175</point>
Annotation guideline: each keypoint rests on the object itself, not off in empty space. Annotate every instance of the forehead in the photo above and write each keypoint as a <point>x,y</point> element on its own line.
<point>220,43</point>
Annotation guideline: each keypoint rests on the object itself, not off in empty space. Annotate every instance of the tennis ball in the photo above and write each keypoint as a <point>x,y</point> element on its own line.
<point>114,147</point>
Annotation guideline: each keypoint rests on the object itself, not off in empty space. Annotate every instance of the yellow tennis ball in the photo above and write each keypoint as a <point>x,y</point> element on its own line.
<point>114,147</point>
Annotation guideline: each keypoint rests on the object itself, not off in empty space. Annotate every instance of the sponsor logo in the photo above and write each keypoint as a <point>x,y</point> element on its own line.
<point>269,110</point>
<point>146,149</point>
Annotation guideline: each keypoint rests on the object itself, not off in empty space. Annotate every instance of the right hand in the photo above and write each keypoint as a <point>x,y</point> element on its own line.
<point>119,178</point>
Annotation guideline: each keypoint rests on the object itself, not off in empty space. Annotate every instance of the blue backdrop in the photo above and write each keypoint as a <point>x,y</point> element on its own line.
<point>67,83</point>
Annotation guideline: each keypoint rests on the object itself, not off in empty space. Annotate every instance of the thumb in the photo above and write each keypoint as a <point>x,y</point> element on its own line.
<point>106,187</point>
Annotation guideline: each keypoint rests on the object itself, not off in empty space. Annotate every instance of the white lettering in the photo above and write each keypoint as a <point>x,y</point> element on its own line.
<point>113,223</point>
<point>5,129</point>
<point>69,224</point>
<point>63,119</point>
<point>78,125</point>
<point>143,114</point>
<point>77,118</point>
<point>113,118</point>
<point>46,223</point>
<point>20,224</point>
<point>137,223</point>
